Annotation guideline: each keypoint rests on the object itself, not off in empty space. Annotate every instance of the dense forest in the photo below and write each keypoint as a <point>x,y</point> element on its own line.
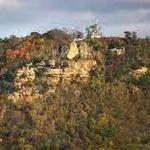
<point>110,111</point>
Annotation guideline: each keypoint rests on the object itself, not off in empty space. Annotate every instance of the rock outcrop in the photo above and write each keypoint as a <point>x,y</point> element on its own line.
<point>73,51</point>
<point>25,88</point>
<point>23,76</point>
<point>139,72</point>
<point>117,51</point>
<point>77,70</point>
<point>80,69</point>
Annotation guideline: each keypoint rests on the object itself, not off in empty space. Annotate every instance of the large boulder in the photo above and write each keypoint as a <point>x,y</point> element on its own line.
<point>73,52</point>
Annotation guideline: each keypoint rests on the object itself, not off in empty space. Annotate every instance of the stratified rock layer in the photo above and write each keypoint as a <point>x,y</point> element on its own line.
<point>77,70</point>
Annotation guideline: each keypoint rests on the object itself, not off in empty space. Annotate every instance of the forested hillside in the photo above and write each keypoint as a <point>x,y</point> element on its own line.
<point>62,91</point>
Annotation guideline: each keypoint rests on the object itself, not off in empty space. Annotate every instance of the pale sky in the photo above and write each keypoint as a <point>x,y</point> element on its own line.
<point>20,17</point>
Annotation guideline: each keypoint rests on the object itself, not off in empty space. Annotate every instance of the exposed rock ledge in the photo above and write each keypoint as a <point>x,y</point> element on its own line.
<point>78,69</point>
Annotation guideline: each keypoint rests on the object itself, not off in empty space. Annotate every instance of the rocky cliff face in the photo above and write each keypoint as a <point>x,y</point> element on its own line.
<point>79,70</point>
<point>80,61</point>
<point>24,84</point>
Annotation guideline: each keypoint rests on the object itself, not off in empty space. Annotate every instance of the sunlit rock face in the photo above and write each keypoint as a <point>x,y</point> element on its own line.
<point>73,51</point>
<point>139,72</point>
<point>78,69</point>
<point>25,89</point>
<point>23,76</point>
<point>85,50</point>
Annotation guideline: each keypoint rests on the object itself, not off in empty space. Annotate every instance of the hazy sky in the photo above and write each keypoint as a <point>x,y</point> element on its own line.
<point>20,17</point>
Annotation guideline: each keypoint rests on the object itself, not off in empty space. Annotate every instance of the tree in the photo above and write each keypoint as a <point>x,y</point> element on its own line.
<point>14,42</point>
<point>58,37</point>
<point>78,35</point>
<point>147,38</point>
<point>93,31</point>
<point>128,34</point>
<point>134,35</point>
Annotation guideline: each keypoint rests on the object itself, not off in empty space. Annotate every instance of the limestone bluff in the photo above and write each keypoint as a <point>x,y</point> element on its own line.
<point>80,61</point>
